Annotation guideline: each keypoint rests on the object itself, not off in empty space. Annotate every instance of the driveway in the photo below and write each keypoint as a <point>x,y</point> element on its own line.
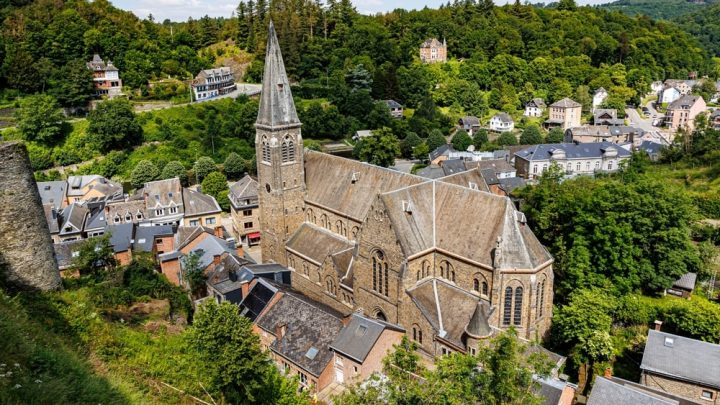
<point>404,165</point>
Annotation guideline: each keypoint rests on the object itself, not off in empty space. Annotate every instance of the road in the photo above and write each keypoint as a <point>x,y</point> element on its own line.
<point>637,121</point>
<point>403,165</point>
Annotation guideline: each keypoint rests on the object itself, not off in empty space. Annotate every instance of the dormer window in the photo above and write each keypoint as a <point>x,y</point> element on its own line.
<point>116,219</point>
<point>128,218</point>
<point>139,215</point>
<point>407,207</point>
<point>173,210</point>
<point>280,86</point>
<point>669,342</point>
<point>355,177</point>
<point>159,211</point>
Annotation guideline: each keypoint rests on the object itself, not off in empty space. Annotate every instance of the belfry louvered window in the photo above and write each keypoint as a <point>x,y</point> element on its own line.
<point>288,150</point>
<point>507,308</point>
<point>265,150</point>
<point>517,313</point>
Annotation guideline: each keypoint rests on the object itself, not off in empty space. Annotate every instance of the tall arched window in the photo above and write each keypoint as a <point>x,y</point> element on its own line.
<point>288,149</point>
<point>309,215</point>
<point>507,307</point>
<point>476,285</point>
<point>330,285</point>
<point>446,270</point>
<point>323,221</point>
<point>265,150</point>
<point>380,273</point>
<point>542,299</point>
<point>425,268</point>
<point>417,334</point>
<point>484,288</point>
<point>517,314</point>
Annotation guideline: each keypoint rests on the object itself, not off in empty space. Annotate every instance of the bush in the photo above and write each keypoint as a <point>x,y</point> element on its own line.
<point>144,172</point>
<point>175,169</point>
<point>203,167</point>
<point>234,166</point>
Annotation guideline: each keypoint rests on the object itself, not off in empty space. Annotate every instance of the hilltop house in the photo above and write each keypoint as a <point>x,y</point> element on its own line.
<point>584,158</point>
<point>668,94</point>
<point>210,83</point>
<point>602,133</point>
<point>469,124</point>
<point>106,77</point>
<point>535,108</point>
<point>564,114</point>
<point>396,109</point>
<point>681,113</point>
<point>433,51</point>
<point>502,122</point>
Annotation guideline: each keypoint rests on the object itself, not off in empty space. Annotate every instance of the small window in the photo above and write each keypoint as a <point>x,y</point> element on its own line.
<point>210,221</point>
<point>247,213</point>
<point>248,225</point>
<point>707,394</point>
<point>669,342</point>
<point>194,222</point>
<point>159,212</point>
<point>75,254</point>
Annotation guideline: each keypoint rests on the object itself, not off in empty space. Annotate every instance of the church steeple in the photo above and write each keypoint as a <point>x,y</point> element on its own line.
<point>277,108</point>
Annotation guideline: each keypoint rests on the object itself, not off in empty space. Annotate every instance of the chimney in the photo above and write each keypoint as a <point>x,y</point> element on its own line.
<point>280,330</point>
<point>658,325</point>
<point>216,259</point>
<point>219,232</point>
<point>608,373</point>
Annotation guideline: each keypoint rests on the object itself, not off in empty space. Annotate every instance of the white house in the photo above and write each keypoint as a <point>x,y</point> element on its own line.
<point>502,122</point>
<point>535,108</point>
<point>210,83</point>
<point>599,98</point>
<point>669,94</point>
<point>584,158</point>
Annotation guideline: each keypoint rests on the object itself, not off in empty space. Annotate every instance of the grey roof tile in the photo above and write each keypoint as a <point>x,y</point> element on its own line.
<point>682,358</point>
<point>607,392</point>
<point>359,336</point>
<point>277,108</point>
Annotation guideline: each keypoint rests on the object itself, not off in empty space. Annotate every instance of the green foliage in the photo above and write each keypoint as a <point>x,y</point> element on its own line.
<point>144,172</point>
<point>655,9</point>
<point>435,140</point>
<point>113,125</point>
<point>234,166</point>
<point>379,149</point>
<point>204,166</point>
<point>95,255</point>
<point>461,140</point>
<point>584,324</point>
<point>215,184</point>
<point>507,138</point>
<point>174,169</point>
<point>408,145</point>
<point>583,221</point>
<point>39,119</point>
<point>72,84</point>
<point>421,152</point>
<point>556,135</point>
<point>480,138</point>
<point>531,136</point>
<point>193,273</point>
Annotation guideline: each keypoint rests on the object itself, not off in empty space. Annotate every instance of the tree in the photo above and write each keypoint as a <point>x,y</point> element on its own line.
<point>531,136</point>
<point>215,184</point>
<point>113,125</point>
<point>231,356</point>
<point>435,140</point>
<point>39,119</point>
<point>507,138</point>
<point>144,172</point>
<point>421,152</point>
<point>174,169</point>
<point>407,146</point>
<point>204,166</point>
<point>234,165</point>
<point>569,5</point>
<point>461,140</point>
<point>556,135</point>
<point>95,254</point>
<point>72,84</point>
<point>193,273</point>
<point>480,137</point>
<point>379,149</point>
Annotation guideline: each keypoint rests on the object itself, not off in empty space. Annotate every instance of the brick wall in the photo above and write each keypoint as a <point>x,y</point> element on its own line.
<point>681,388</point>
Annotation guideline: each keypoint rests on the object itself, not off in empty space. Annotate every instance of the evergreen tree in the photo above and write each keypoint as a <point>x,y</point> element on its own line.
<point>531,136</point>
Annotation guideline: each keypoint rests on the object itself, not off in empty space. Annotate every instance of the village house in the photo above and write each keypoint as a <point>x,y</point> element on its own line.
<point>163,201</point>
<point>362,133</point>
<point>106,77</point>
<point>396,109</point>
<point>535,108</point>
<point>668,94</point>
<point>599,98</point>
<point>612,390</point>
<point>681,366</point>
<point>469,124</point>
<point>502,122</point>
<point>584,159</point>
<point>681,113</point>
<point>244,210</point>
<point>607,116</point>
<point>200,209</point>
<point>684,286</point>
<point>93,187</point>
<point>602,133</point>
<point>433,51</point>
<point>393,246</point>
<point>211,83</point>
<point>651,149</point>
<point>684,86</point>
<point>564,114</point>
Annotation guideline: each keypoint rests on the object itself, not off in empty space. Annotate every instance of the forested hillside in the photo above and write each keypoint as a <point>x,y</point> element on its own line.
<point>705,26</point>
<point>657,9</point>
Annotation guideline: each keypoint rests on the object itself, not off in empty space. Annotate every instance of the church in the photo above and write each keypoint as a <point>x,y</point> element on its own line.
<point>445,259</point>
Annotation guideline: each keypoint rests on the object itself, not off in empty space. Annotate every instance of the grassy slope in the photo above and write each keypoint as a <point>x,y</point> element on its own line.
<point>66,352</point>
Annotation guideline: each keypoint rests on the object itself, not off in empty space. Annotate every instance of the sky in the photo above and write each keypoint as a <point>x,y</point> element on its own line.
<point>180,10</point>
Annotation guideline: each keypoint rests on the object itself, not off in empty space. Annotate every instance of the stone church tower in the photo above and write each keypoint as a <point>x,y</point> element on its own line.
<point>279,152</point>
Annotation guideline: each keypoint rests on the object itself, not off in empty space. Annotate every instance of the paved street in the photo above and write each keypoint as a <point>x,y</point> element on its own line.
<point>636,120</point>
<point>404,165</point>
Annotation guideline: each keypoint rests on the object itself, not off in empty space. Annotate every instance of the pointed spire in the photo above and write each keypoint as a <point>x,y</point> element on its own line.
<point>277,108</point>
<point>479,327</point>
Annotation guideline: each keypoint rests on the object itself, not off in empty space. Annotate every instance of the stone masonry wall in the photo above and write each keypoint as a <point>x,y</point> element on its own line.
<point>25,243</point>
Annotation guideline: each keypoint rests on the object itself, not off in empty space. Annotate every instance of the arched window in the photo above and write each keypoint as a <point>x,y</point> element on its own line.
<point>517,313</point>
<point>417,334</point>
<point>288,149</point>
<point>417,276</point>
<point>354,231</point>
<point>323,221</point>
<point>265,150</point>
<point>507,307</point>
<point>542,299</point>
<point>330,285</point>
<point>309,215</point>
<point>484,288</point>
<point>380,273</point>
<point>476,285</point>
<point>446,270</point>
<point>379,314</point>
<point>425,268</point>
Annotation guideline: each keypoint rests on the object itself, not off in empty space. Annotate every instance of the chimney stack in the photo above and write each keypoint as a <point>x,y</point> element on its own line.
<point>280,330</point>
<point>219,232</point>
<point>216,259</point>
<point>658,325</point>
<point>608,373</point>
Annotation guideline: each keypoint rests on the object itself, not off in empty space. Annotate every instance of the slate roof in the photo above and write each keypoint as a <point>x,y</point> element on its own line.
<point>572,151</point>
<point>684,359</point>
<point>509,184</point>
<point>242,190</point>
<point>145,236</point>
<point>503,117</point>
<point>536,102</point>
<point>208,247</point>
<point>650,147</point>
<point>64,250</point>
<point>77,184</point>
<point>74,216</point>
<point>359,336</point>
<point>469,121</point>
<point>277,108</point>
<point>197,203</point>
<point>431,172</point>
<point>122,209</point>
<point>472,179</point>
<point>392,104</point>
<point>448,308</point>
<point>221,74</point>
<point>96,219</point>
<point>316,243</point>
<point>566,103</point>
<point>479,325</point>
<point>329,181</point>
<point>431,43</point>
<point>441,150</point>
<point>274,272</point>
<point>224,277</point>
<point>163,193</point>
<point>257,299</point>
<point>121,236</point>
<point>309,325</point>
<point>53,218</point>
<point>52,192</point>
<point>550,390</point>
<point>684,103</point>
<point>452,166</point>
<point>496,165</point>
<point>433,222</point>
<point>605,392</point>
